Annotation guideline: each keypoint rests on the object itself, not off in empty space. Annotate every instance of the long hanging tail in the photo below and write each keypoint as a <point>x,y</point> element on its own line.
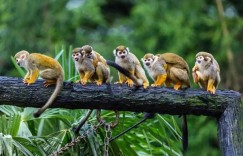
<point>184,133</point>
<point>57,90</point>
<point>124,72</point>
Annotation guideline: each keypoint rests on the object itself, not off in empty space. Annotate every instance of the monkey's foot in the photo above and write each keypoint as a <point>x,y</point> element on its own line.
<point>211,90</point>
<point>177,86</point>
<point>129,82</point>
<point>48,83</point>
<point>99,82</point>
<point>145,85</point>
<point>155,85</point>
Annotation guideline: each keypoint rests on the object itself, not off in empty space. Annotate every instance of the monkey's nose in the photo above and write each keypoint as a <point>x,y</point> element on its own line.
<point>123,56</point>
<point>147,63</point>
<point>76,59</point>
<point>18,64</point>
<point>198,61</point>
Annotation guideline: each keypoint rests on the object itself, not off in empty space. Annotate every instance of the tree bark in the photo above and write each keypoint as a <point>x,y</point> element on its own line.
<point>118,97</point>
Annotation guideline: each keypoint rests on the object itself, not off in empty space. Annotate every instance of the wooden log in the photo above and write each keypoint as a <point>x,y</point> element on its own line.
<point>118,97</point>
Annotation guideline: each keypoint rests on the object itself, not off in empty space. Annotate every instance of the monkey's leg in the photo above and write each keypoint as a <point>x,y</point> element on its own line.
<point>122,78</point>
<point>211,87</point>
<point>33,76</point>
<point>87,76</point>
<point>141,75</point>
<point>81,75</point>
<point>177,85</point>
<point>26,77</point>
<point>100,71</point>
<point>50,77</point>
<point>167,83</point>
<point>160,80</point>
<point>130,81</point>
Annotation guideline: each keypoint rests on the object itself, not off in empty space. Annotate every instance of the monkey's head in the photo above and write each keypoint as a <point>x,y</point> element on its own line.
<point>148,59</point>
<point>77,54</point>
<point>21,58</point>
<point>121,52</point>
<point>204,59</point>
<point>87,51</point>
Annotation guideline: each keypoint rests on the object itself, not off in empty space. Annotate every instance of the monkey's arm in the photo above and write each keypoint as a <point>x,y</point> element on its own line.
<point>26,77</point>
<point>87,76</point>
<point>33,76</point>
<point>194,74</point>
<point>160,80</point>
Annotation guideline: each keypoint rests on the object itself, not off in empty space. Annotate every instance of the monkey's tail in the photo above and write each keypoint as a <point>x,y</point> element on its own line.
<point>184,133</point>
<point>57,90</point>
<point>124,72</point>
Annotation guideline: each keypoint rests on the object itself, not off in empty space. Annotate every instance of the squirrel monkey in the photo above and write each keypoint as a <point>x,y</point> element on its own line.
<point>90,65</point>
<point>167,68</point>
<point>48,68</point>
<point>206,72</point>
<point>127,60</point>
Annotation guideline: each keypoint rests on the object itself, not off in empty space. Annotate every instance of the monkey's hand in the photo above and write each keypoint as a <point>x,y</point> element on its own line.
<point>211,88</point>
<point>99,82</point>
<point>83,81</point>
<point>195,77</point>
<point>25,80</point>
<point>195,68</point>
<point>160,80</point>
<point>145,85</point>
<point>129,82</point>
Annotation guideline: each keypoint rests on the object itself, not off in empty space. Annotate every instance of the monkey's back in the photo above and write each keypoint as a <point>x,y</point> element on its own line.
<point>43,62</point>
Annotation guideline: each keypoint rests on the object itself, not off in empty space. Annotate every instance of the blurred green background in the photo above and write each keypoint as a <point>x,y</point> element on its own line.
<point>183,27</point>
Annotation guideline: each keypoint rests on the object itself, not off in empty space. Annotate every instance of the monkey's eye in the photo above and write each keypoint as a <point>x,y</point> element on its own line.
<point>73,55</point>
<point>149,59</point>
<point>120,52</point>
<point>124,52</point>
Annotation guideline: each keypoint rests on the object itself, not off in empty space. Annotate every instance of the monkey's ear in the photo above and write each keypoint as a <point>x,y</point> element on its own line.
<point>114,51</point>
<point>127,49</point>
<point>208,59</point>
<point>23,56</point>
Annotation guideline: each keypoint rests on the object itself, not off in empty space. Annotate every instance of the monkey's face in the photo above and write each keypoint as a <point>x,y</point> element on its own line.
<point>76,56</point>
<point>148,59</point>
<point>203,61</point>
<point>87,55</point>
<point>21,60</point>
<point>121,52</point>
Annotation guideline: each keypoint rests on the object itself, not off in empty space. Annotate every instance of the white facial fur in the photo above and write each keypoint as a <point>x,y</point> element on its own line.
<point>121,54</point>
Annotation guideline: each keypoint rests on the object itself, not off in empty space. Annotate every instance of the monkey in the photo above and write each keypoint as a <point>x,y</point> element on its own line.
<point>48,68</point>
<point>206,72</point>
<point>127,60</point>
<point>167,68</point>
<point>90,65</point>
<point>85,56</point>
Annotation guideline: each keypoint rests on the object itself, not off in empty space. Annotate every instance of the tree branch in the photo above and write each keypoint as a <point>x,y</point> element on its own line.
<point>118,97</point>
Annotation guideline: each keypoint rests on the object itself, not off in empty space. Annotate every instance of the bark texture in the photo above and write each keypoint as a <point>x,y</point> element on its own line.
<point>118,97</point>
